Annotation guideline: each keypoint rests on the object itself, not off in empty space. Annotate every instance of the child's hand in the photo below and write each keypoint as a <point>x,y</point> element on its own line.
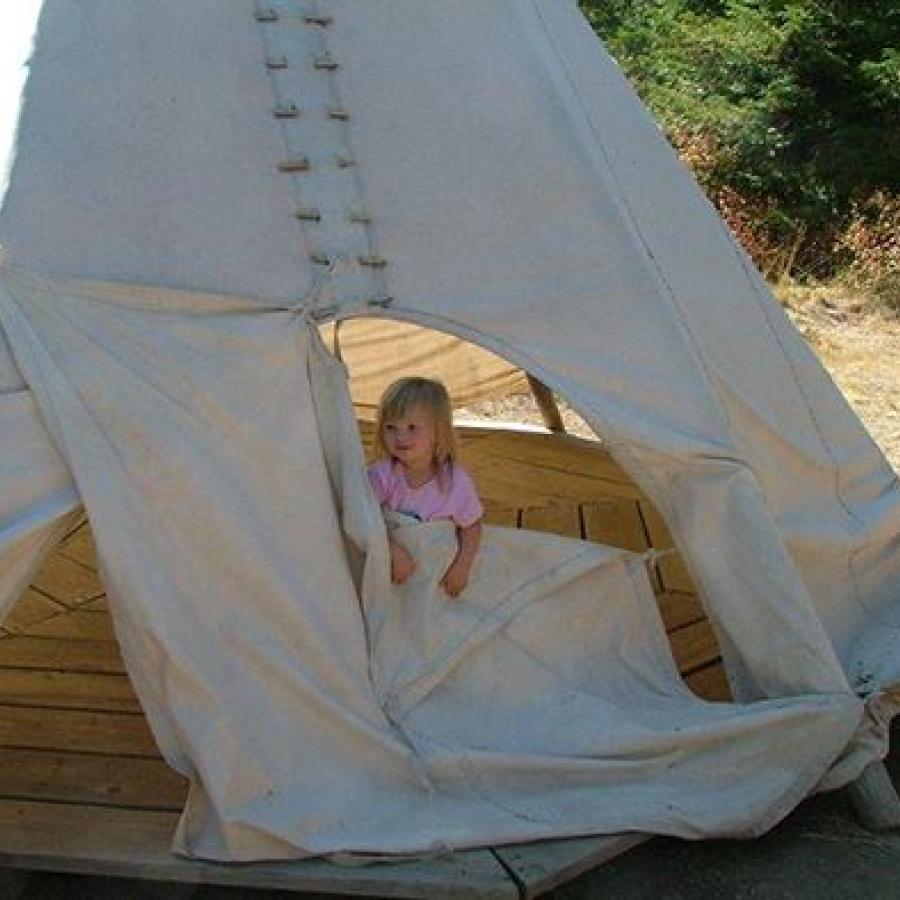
<point>456,577</point>
<point>402,564</point>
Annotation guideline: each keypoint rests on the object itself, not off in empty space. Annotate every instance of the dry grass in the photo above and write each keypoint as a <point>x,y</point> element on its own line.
<point>860,348</point>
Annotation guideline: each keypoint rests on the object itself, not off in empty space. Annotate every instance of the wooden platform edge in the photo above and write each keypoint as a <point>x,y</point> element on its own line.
<point>544,865</point>
<point>875,798</point>
<point>135,844</point>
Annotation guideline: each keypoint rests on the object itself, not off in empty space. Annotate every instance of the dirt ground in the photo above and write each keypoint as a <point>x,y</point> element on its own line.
<point>861,350</point>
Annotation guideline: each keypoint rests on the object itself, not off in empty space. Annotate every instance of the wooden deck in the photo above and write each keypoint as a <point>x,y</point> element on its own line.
<point>82,785</point>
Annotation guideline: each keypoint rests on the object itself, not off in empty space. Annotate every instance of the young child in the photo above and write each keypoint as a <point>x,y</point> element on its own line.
<point>418,474</point>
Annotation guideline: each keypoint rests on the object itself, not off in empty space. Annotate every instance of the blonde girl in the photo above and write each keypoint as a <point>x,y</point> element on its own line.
<point>418,474</point>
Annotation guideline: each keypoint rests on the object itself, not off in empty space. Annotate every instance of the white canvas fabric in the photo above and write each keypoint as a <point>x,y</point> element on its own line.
<point>37,495</point>
<point>488,173</point>
<point>316,714</point>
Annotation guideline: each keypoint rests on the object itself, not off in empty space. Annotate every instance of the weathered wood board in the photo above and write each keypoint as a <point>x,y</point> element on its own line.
<point>543,865</point>
<point>135,843</point>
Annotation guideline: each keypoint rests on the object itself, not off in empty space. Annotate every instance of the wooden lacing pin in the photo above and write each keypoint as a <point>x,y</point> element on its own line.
<point>320,259</point>
<point>325,62</point>
<point>295,164</point>
<point>337,112</point>
<point>344,162</point>
<point>277,62</point>
<point>286,111</point>
<point>372,260</point>
<point>266,15</point>
<point>323,21</point>
<point>359,217</point>
<point>308,214</point>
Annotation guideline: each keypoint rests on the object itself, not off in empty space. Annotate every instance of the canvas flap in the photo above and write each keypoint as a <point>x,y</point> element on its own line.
<point>198,439</point>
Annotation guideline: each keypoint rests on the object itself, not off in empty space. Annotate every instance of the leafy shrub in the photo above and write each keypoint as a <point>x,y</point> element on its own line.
<point>788,110</point>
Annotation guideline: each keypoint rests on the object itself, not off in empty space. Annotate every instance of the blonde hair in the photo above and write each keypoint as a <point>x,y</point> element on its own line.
<point>401,396</point>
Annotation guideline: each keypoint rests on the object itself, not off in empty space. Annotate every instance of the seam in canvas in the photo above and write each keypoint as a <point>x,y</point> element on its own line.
<point>829,450</point>
<point>622,199</point>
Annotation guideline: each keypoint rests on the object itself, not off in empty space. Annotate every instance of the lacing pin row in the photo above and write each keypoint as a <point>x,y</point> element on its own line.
<point>294,164</point>
<point>325,62</point>
<point>286,111</point>
<point>302,164</point>
<point>374,261</point>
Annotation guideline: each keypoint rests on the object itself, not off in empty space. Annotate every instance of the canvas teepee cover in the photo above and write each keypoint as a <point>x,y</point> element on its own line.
<point>185,174</point>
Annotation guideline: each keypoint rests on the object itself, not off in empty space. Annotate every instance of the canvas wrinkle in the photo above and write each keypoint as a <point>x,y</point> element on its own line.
<point>622,201</point>
<point>237,769</point>
<point>855,527</point>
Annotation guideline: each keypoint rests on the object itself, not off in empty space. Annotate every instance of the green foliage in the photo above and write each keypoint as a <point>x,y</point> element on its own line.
<point>794,105</point>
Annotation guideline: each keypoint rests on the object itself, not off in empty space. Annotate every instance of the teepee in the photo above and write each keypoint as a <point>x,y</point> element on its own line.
<point>197,188</point>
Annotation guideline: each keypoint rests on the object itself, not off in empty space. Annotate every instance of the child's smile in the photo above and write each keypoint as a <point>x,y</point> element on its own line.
<point>411,439</point>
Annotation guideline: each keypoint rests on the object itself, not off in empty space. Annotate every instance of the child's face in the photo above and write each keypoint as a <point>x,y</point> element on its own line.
<point>411,438</point>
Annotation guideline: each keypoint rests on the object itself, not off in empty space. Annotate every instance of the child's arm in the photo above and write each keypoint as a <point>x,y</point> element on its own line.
<point>402,563</point>
<point>457,575</point>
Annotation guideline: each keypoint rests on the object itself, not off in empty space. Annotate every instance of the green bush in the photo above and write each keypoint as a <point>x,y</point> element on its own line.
<point>794,104</point>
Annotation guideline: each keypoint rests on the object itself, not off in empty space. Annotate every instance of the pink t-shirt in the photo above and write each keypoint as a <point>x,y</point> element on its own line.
<point>452,497</point>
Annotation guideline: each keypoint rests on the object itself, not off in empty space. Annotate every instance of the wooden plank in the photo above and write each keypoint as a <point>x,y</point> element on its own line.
<point>67,581</point>
<point>59,654</point>
<point>678,609</point>
<point>616,522</point>
<point>875,799</point>
<point>674,573</point>
<point>710,683</point>
<point>75,730</point>
<point>501,515</point>
<point>77,690</point>
<point>31,607</point>
<point>562,520</point>
<point>135,843</point>
<point>694,646</point>
<point>543,865</point>
<point>79,546</point>
<point>98,604</point>
<point>525,483</point>
<point>79,778</point>
<point>78,625</point>
<point>553,451</point>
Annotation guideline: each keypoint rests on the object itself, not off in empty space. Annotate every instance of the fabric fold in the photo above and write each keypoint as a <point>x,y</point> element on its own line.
<point>314,707</point>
